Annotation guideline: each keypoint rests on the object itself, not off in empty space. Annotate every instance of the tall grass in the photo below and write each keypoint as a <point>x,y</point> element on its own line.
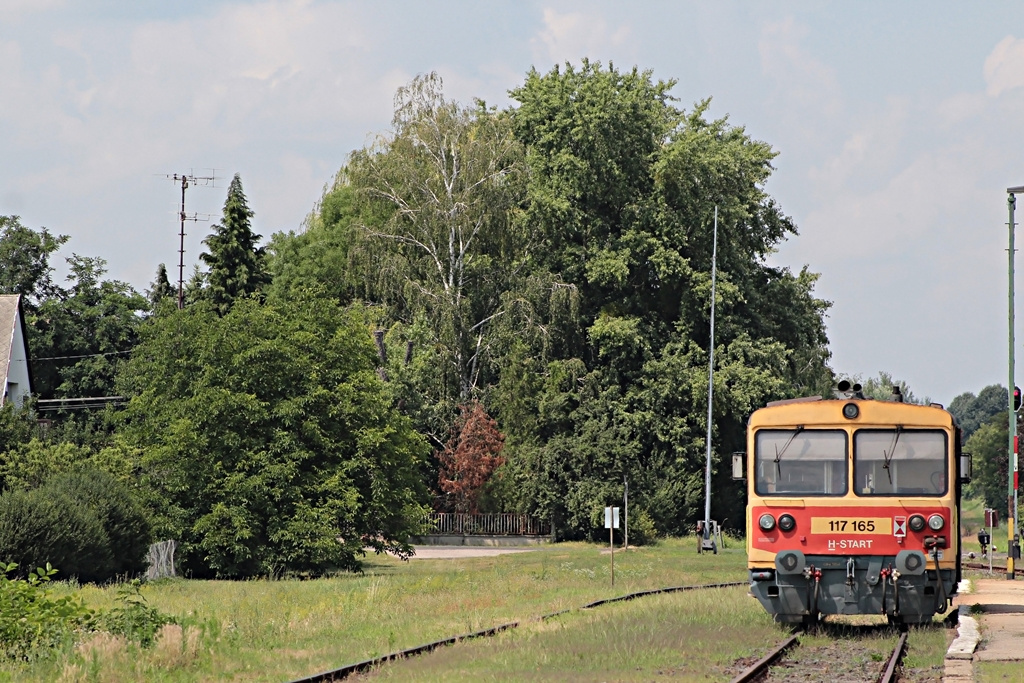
<point>278,630</point>
<point>693,636</point>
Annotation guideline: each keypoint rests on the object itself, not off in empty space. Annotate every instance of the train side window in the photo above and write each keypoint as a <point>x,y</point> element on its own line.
<point>800,461</point>
<point>890,462</point>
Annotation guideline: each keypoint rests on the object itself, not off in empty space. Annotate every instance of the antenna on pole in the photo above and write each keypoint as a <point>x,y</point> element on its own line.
<point>187,179</point>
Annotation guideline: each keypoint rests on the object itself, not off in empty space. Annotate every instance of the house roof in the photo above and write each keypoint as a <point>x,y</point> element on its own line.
<point>10,307</point>
<point>8,318</point>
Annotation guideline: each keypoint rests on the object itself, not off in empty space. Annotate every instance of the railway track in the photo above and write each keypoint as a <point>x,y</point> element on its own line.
<point>360,667</point>
<point>761,669</point>
<point>1017,571</point>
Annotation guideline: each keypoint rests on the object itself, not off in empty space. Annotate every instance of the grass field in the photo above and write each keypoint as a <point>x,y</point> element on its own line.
<point>279,630</point>
<point>282,630</point>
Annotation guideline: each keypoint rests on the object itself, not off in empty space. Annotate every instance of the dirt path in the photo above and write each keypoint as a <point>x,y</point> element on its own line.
<point>443,552</point>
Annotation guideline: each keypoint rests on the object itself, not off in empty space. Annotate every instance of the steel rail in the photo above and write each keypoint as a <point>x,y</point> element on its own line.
<point>889,673</point>
<point>760,668</point>
<point>656,591</point>
<point>367,664</point>
<point>995,567</point>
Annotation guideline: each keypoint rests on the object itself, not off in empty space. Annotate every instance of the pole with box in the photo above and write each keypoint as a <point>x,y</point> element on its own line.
<point>611,523</point>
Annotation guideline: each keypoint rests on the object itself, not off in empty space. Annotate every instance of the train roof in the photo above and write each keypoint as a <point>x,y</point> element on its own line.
<point>818,411</point>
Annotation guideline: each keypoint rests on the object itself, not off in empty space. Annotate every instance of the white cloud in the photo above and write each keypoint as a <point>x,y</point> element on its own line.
<point>912,207</point>
<point>873,146</point>
<point>960,107</point>
<point>203,88</point>
<point>1004,66</point>
<point>568,37</point>
<point>808,86</point>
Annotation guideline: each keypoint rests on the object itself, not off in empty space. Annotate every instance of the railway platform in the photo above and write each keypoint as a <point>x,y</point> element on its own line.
<point>991,627</point>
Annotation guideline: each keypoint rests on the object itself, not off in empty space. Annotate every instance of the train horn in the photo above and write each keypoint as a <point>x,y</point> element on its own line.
<point>847,389</point>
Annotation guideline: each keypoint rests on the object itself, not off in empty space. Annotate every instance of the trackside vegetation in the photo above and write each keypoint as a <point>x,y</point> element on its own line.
<point>490,310</point>
<point>267,630</point>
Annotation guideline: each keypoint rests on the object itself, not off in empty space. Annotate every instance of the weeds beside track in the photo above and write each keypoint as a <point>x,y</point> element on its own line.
<point>762,669</point>
<point>359,667</point>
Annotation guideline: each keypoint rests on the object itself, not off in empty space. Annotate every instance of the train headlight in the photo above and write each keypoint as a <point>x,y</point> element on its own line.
<point>935,522</point>
<point>916,523</point>
<point>851,411</point>
<point>787,523</point>
<point>766,522</point>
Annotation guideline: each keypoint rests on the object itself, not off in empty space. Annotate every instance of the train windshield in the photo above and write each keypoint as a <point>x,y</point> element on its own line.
<point>800,461</point>
<point>891,462</point>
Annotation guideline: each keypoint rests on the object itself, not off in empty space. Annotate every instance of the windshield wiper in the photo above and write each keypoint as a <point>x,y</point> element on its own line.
<point>892,451</point>
<point>778,453</point>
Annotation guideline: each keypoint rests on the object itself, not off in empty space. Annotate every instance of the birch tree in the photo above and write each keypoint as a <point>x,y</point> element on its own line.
<point>444,185</point>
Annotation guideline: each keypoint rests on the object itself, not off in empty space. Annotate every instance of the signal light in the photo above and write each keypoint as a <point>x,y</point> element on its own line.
<point>1016,399</point>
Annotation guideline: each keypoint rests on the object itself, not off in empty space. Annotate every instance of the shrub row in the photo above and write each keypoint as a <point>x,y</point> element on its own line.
<point>84,522</point>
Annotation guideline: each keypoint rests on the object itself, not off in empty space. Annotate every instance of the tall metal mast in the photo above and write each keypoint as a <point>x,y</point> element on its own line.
<point>186,180</point>
<point>711,376</point>
<point>1011,450</point>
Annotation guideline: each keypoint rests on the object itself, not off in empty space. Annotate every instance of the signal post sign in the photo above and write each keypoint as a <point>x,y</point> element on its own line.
<point>611,523</point>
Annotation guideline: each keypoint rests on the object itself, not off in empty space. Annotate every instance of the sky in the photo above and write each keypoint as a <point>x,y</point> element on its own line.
<point>898,127</point>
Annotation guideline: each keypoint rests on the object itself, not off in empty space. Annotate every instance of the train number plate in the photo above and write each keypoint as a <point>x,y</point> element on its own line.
<point>851,525</point>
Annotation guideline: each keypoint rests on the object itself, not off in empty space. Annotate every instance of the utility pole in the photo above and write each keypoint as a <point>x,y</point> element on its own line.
<point>625,507</point>
<point>187,179</point>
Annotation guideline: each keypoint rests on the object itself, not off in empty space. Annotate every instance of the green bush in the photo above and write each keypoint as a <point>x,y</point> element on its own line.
<point>133,618</point>
<point>125,523</point>
<point>641,527</point>
<point>84,522</point>
<point>41,526</point>
<point>30,464</point>
<point>31,623</point>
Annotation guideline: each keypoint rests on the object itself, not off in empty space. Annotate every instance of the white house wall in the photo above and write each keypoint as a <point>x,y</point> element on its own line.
<point>18,386</point>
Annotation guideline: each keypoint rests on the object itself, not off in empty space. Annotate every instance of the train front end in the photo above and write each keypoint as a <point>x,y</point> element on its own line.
<point>853,508</point>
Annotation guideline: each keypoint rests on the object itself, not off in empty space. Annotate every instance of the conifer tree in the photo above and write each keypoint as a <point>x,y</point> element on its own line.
<point>237,265</point>
<point>161,287</point>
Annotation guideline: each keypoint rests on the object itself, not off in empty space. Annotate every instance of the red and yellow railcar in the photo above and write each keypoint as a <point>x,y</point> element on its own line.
<point>853,508</point>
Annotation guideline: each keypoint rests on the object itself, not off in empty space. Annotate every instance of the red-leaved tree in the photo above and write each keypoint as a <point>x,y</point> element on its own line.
<point>470,457</point>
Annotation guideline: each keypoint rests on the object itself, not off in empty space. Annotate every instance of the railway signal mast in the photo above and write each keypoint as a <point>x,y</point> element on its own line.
<point>1013,539</point>
<point>187,179</point>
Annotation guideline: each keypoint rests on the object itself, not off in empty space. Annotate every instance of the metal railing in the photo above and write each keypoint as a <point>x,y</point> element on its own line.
<point>486,524</point>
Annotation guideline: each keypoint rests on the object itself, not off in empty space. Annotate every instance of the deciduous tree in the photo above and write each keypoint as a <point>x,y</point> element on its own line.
<point>973,411</point>
<point>470,457</point>
<point>445,184</point>
<point>623,187</point>
<point>25,261</point>
<point>987,447</point>
<point>269,443</point>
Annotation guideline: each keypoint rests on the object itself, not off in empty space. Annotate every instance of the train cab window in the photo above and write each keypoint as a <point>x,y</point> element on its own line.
<point>892,462</point>
<point>800,461</point>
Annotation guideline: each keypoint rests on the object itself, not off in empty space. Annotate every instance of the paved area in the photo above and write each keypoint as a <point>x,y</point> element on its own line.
<point>991,627</point>
<point>448,552</point>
